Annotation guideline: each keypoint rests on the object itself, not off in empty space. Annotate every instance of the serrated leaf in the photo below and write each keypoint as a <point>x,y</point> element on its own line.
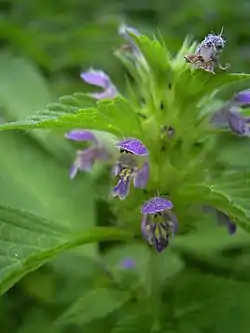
<point>129,64</point>
<point>196,85</point>
<point>187,47</point>
<point>154,52</point>
<point>94,304</point>
<point>27,241</point>
<point>72,103</point>
<point>115,116</point>
<point>230,194</point>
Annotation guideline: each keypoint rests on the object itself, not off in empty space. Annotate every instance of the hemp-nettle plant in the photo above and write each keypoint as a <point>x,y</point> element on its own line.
<point>160,139</point>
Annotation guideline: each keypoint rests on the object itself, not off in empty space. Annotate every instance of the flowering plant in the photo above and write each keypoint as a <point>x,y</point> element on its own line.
<point>157,146</point>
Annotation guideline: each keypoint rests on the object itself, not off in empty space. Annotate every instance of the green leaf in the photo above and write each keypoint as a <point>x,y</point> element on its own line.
<point>28,241</point>
<point>26,174</point>
<point>115,116</point>
<point>235,152</point>
<point>134,323</point>
<point>206,302</point>
<point>229,193</point>
<point>94,304</point>
<point>72,103</point>
<point>237,314</point>
<point>21,79</point>
<point>155,53</point>
<point>196,87</point>
<point>209,237</point>
<point>178,63</point>
<point>202,299</point>
<point>37,321</point>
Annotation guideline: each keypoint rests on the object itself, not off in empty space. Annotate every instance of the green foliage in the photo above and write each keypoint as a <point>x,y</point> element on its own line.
<point>227,193</point>
<point>94,304</point>
<point>205,302</point>
<point>28,241</point>
<point>132,323</point>
<point>109,115</point>
<point>200,283</point>
<point>22,79</point>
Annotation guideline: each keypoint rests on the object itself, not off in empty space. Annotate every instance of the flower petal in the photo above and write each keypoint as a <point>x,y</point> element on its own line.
<point>122,188</point>
<point>141,177</point>
<point>172,222</point>
<point>96,77</point>
<point>73,171</point>
<point>156,205</point>
<point>81,135</point>
<point>237,123</point>
<point>103,154</point>
<point>86,159</point>
<point>144,222</point>
<point>219,118</point>
<point>134,146</point>
<point>110,92</point>
<point>125,31</point>
<point>231,228</point>
<point>242,98</point>
<point>116,169</point>
<point>159,236</point>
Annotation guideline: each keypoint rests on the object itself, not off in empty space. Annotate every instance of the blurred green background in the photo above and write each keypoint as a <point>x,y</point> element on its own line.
<point>44,46</point>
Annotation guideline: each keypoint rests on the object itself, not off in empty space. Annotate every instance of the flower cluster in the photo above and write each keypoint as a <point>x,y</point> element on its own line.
<point>130,165</point>
<point>129,157</point>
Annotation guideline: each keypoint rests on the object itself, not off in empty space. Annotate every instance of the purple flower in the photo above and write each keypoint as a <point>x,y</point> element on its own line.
<point>223,219</point>
<point>131,165</point>
<point>237,122</point>
<point>158,222</point>
<point>100,79</point>
<point>128,263</point>
<point>231,117</point>
<point>125,31</point>
<point>131,47</point>
<point>242,98</point>
<point>133,146</point>
<point>86,158</point>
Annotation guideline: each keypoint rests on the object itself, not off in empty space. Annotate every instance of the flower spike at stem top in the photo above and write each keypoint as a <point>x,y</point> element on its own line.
<point>165,137</point>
